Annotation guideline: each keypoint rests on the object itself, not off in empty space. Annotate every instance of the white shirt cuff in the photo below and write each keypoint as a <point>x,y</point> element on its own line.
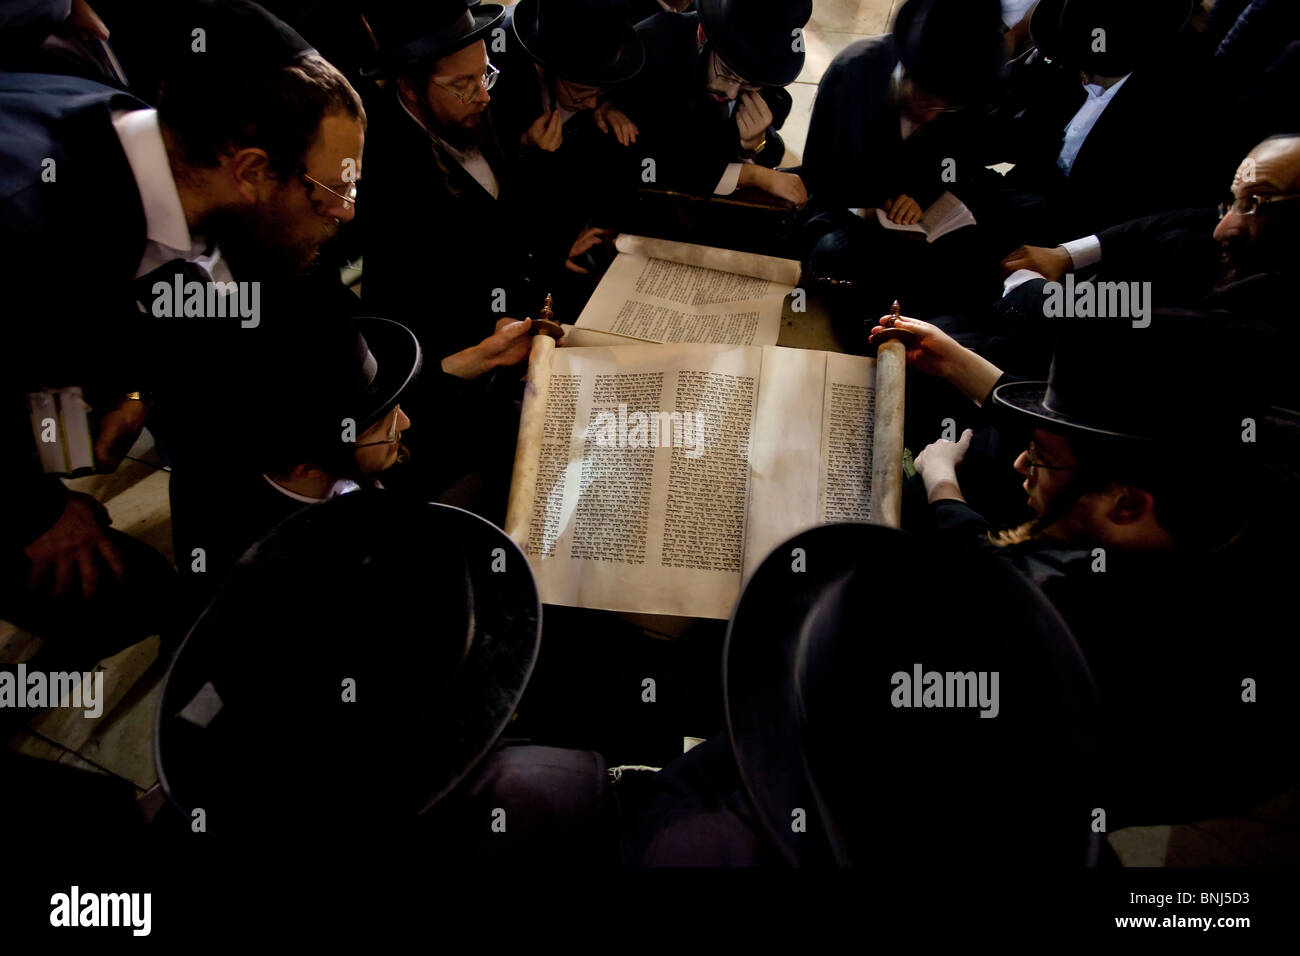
<point>1019,278</point>
<point>1083,252</point>
<point>730,179</point>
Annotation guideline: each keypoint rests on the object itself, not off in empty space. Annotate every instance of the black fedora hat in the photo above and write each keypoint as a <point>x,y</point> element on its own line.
<point>826,736</point>
<point>407,33</point>
<point>429,614</point>
<point>756,38</point>
<point>591,42</point>
<point>1114,383</point>
<point>346,368</point>
<point>951,48</point>
<point>1066,30</point>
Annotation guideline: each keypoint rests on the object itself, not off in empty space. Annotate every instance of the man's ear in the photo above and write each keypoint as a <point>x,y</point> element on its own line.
<point>406,93</point>
<point>250,170</point>
<point>1129,504</point>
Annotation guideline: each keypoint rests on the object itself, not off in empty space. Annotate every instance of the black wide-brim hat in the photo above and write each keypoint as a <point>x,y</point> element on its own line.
<point>1063,30</point>
<point>394,353</point>
<point>408,32</point>
<point>951,48</point>
<point>755,38</point>
<point>1113,382</point>
<point>591,42</point>
<point>815,637</point>
<point>431,611</point>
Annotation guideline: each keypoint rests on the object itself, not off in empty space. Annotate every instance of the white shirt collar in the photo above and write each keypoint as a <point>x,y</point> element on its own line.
<point>343,486</point>
<point>164,215</point>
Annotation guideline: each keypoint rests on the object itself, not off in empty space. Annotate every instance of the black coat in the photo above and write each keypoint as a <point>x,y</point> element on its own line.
<point>437,245</point>
<point>1150,150</point>
<point>582,183</point>
<point>71,246</point>
<point>689,138</point>
<point>1169,638</point>
<point>856,156</point>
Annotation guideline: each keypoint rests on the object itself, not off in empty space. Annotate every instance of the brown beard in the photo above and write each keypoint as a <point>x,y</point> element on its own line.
<point>257,242</point>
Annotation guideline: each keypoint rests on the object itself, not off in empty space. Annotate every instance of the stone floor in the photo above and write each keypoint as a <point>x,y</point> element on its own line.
<point>119,742</point>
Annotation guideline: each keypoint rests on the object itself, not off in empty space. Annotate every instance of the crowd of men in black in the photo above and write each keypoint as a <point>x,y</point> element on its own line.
<point>1129,584</point>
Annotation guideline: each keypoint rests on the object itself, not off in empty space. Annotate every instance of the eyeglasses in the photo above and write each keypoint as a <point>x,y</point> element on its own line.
<point>1031,451</point>
<point>465,95</point>
<point>1249,204</point>
<point>392,432</point>
<point>724,72</point>
<point>348,196</point>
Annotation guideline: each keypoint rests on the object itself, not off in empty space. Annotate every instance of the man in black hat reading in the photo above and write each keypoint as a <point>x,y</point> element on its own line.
<point>1161,502</point>
<point>712,96</point>
<point>553,110</point>
<point>893,129</point>
<point>449,247</point>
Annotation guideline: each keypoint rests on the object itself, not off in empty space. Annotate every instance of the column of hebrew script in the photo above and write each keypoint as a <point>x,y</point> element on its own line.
<point>641,492</point>
<point>848,416</point>
<point>656,291</point>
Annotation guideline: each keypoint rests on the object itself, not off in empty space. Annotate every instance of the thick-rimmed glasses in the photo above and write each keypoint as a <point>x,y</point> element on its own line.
<point>348,197</point>
<point>1250,204</point>
<point>393,435</point>
<point>485,83</point>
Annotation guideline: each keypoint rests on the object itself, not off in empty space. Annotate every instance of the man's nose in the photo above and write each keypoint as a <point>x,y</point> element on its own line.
<point>403,423</point>
<point>1022,463</point>
<point>344,212</point>
<point>1233,224</point>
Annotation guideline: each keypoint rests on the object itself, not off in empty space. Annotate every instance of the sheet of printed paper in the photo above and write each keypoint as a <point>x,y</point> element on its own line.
<point>672,292</point>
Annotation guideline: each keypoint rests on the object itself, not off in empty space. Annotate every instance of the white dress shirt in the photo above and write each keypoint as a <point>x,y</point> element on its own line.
<point>168,234</point>
<point>1076,132</point>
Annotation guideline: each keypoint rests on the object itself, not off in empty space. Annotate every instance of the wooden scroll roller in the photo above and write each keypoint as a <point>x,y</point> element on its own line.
<point>532,419</point>
<point>887,453</point>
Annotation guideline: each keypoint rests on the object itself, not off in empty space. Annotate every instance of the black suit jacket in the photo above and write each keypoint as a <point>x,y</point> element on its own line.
<point>1150,150</point>
<point>437,245</point>
<point>690,139</point>
<point>582,183</point>
<point>1169,641</point>
<point>856,155</point>
<point>73,233</point>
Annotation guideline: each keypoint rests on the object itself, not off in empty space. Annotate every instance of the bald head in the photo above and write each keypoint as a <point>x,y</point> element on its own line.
<point>1257,232</point>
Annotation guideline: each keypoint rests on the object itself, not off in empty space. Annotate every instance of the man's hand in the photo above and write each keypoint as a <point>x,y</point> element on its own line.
<point>118,430</point>
<point>508,345</point>
<point>546,132</point>
<point>752,119</point>
<point>787,186</point>
<point>937,466</point>
<point>1049,263</point>
<point>904,210</point>
<point>933,351</point>
<point>586,240</point>
<point>73,546</point>
<point>609,117</point>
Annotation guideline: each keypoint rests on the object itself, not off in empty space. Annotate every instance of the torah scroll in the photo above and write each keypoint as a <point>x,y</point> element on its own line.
<point>653,479</point>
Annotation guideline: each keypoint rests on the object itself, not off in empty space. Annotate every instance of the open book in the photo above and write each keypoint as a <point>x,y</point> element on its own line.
<point>661,291</point>
<point>946,214</point>
<point>653,479</point>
